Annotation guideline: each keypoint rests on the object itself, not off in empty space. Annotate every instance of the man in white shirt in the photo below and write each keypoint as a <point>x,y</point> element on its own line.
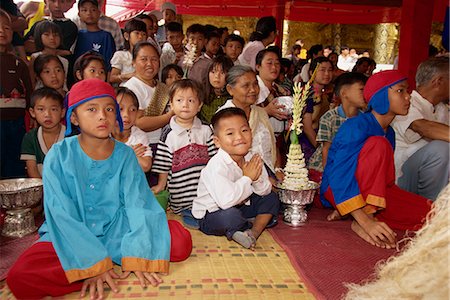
<point>422,136</point>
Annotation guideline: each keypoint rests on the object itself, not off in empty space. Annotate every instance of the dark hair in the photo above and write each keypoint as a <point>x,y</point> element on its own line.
<point>285,64</point>
<point>81,2</point>
<point>196,28</point>
<point>261,54</point>
<point>344,48</point>
<point>174,27</point>
<point>166,69</point>
<point>84,60</point>
<point>264,27</point>
<point>317,61</point>
<point>133,25</point>
<point>4,14</point>
<point>141,45</point>
<point>42,60</point>
<point>314,50</point>
<point>211,28</point>
<point>329,48</point>
<point>143,17</point>
<point>360,61</point>
<point>227,113</point>
<point>185,84</point>
<point>226,64</point>
<point>348,79</point>
<point>127,91</point>
<point>212,34</point>
<point>43,27</point>
<point>46,92</point>
<point>296,47</point>
<point>235,38</point>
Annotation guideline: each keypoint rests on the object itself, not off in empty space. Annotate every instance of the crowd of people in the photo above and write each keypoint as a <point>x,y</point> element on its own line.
<point>109,119</point>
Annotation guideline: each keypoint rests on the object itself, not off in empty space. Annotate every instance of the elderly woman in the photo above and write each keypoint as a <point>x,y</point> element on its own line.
<point>152,95</point>
<point>243,87</point>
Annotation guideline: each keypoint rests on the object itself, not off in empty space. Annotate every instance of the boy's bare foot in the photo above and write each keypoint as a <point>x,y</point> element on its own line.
<point>334,216</point>
<point>362,234</point>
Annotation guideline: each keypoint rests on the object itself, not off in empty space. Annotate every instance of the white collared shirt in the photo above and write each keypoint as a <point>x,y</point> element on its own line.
<point>407,140</point>
<point>222,185</point>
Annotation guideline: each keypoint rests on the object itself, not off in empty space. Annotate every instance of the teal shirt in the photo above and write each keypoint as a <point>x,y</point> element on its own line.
<point>100,209</point>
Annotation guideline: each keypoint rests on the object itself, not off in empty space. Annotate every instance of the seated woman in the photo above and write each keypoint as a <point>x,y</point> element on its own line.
<point>316,105</point>
<point>153,95</point>
<point>243,87</point>
<point>268,67</point>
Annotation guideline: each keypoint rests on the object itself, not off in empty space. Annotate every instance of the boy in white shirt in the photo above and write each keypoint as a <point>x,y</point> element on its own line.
<point>234,186</point>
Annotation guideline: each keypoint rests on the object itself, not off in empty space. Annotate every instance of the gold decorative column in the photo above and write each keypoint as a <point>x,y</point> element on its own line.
<point>337,34</point>
<point>286,46</point>
<point>381,54</point>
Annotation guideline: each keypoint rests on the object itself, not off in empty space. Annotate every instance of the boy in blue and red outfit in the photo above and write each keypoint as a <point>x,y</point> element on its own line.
<point>359,177</point>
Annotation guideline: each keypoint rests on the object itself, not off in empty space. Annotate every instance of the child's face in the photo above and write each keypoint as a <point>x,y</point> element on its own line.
<point>172,76</point>
<point>169,15</point>
<point>234,136</point>
<point>324,73</point>
<point>51,40</point>
<point>233,49</point>
<point>217,77</point>
<point>128,110</point>
<point>5,32</point>
<point>353,94</point>
<point>150,27</point>
<point>175,39</point>
<point>213,45</point>
<point>197,39</point>
<point>48,112</point>
<point>96,118</point>
<point>363,68</point>
<point>135,37</point>
<point>270,67</point>
<point>399,98</point>
<point>94,69</point>
<point>185,104</point>
<point>147,63</point>
<point>53,75</point>
<point>56,8</point>
<point>89,13</point>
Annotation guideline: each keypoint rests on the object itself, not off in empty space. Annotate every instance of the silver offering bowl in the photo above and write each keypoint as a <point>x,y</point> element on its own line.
<point>295,201</point>
<point>17,196</point>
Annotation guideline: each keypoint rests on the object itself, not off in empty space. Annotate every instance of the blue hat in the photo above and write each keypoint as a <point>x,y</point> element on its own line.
<point>376,89</point>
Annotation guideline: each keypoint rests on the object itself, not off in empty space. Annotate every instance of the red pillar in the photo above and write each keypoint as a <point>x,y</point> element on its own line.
<point>415,30</point>
<point>279,16</point>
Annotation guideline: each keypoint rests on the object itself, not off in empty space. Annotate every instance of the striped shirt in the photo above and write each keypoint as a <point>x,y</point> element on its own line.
<point>183,153</point>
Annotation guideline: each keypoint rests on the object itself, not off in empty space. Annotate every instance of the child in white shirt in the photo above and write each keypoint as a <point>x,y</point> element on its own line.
<point>131,135</point>
<point>234,186</point>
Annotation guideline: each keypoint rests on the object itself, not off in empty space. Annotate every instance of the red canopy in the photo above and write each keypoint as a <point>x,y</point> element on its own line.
<point>320,11</point>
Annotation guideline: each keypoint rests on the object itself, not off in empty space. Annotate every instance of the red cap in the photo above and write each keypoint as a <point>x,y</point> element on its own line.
<point>89,89</point>
<point>379,80</point>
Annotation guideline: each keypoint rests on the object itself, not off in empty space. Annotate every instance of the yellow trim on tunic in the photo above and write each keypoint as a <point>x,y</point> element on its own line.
<point>377,201</point>
<point>144,265</point>
<point>97,269</point>
<point>351,204</point>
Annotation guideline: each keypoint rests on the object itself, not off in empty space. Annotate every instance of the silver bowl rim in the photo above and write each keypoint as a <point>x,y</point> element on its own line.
<point>313,183</point>
<point>34,182</point>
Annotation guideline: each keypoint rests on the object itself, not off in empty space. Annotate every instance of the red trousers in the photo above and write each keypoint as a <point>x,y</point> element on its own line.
<point>376,176</point>
<point>38,273</point>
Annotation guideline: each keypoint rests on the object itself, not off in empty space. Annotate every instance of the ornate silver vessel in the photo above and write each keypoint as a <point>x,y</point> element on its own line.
<point>17,196</point>
<point>295,201</point>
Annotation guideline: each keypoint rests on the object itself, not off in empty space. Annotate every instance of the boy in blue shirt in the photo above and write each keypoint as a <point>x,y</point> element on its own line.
<point>99,210</point>
<point>93,38</point>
